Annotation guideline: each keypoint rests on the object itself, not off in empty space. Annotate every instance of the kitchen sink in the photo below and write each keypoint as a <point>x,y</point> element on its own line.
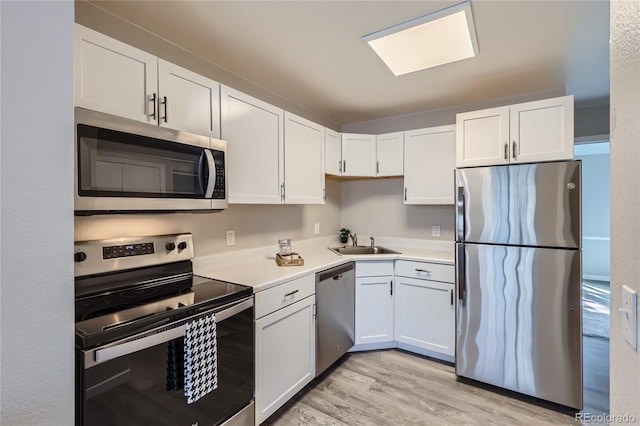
<point>362,250</point>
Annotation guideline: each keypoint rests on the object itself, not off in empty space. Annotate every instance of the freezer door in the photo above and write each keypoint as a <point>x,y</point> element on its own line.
<point>527,204</point>
<point>519,322</point>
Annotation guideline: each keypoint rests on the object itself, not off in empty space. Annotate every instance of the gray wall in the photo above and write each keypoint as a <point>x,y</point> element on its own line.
<point>255,225</point>
<point>625,205</point>
<point>36,311</point>
<point>376,208</point>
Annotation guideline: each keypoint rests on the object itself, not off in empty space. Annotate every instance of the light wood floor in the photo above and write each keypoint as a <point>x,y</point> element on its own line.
<point>392,387</point>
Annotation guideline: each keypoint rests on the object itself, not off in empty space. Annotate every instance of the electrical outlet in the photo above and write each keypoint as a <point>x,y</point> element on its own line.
<point>231,237</point>
<point>316,229</point>
<point>435,231</point>
<point>629,311</point>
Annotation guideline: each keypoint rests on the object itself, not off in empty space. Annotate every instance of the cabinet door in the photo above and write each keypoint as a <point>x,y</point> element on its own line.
<point>425,314</point>
<point>285,355</point>
<point>542,130</point>
<point>389,154</point>
<point>358,155</point>
<point>482,137</point>
<point>113,77</point>
<point>374,309</point>
<point>303,161</point>
<point>254,133</point>
<point>333,153</point>
<point>188,101</point>
<point>429,164</point>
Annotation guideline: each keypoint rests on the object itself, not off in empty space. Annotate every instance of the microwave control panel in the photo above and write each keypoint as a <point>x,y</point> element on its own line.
<point>127,250</point>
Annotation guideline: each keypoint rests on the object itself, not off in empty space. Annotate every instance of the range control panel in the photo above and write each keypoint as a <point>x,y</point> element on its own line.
<point>118,254</point>
<point>126,250</point>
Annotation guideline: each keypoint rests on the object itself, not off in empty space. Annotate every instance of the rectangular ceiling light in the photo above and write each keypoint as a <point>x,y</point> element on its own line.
<point>438,38</point>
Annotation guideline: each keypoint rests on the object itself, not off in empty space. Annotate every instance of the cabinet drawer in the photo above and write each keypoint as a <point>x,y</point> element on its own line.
<point>282,295</point>
<point>374,268</point>
<point>425,271</point>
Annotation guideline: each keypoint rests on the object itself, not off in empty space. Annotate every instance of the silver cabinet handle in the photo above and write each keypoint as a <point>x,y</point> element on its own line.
<point>282,192</point>
<point>451,296</point>
<point>514,149</point>
<point>339,166</point>
<point>291,293</point>
<point>506,151</point>
<point>344,166</point>
<point>153,100</point>
<point>377,167</point>
<point>391,287</point>
<point>423,271</point>
<point>405,193</point>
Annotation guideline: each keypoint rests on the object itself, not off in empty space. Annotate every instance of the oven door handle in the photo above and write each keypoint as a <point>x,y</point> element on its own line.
<point>151,340</point>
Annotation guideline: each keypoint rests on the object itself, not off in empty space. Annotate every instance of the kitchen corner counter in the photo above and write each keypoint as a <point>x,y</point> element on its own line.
<point>257,268</point>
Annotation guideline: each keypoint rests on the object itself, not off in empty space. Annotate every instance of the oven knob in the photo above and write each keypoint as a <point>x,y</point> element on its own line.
<point>80,256</point>
<point>171,246</point>
<point>182,246</point>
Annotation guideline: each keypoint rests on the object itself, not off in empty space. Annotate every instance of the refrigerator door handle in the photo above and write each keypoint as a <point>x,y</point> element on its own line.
<point>460,214</point>
<point>460,271</point>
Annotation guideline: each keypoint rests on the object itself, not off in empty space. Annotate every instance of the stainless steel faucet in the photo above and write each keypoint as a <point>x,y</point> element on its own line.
<point>373,242</point>
<point>354,239</point>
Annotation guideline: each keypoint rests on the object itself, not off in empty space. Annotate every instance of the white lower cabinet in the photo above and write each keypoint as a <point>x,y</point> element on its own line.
<point>425,309</point>
<point>285,348</point>
<point>374,302</point>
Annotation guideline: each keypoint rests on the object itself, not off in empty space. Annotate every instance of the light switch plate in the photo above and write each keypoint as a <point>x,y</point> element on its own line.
<point>435,231</point>
<point>629,311</point>
<point>231,237</point>
<point>316,229</point>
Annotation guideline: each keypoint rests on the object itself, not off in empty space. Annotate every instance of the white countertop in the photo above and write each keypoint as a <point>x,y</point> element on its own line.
<point>257,268</point>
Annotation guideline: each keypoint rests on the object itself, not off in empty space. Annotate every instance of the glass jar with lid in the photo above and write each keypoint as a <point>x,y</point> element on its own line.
<point>285,248</point>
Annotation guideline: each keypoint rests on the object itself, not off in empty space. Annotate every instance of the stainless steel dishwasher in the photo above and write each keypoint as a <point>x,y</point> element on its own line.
<point>335,310</point>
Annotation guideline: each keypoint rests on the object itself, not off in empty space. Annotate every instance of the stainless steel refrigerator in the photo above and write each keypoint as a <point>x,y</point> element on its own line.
<point>519,267</point>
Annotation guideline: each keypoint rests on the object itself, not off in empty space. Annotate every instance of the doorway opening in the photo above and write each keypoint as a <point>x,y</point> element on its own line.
<point>596,178</point>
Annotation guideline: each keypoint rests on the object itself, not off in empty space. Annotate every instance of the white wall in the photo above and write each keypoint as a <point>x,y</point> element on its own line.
<point>596,178</point>
<point>376,208</point>
<point>255,225</point>
<point>625,200</point>
<point>36,308</point>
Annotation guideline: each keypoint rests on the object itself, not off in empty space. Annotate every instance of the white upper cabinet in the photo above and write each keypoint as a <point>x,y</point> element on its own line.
<point>333,153</point>
<point>482,137</point>
<point>429,164</point>
<point>188,101</point>
<point>389,154</point>
<point>253,130</point>
<point>358,155</point>
<point>542,130</point>
<point>303,161</point>
<point>522,133</point>
<point>113,77</point>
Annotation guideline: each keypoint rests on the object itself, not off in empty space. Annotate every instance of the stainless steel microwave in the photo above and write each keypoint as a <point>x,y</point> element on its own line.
<point>125,166</point>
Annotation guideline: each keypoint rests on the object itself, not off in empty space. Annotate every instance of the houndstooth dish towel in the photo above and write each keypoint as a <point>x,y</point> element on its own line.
<point>200,358</point>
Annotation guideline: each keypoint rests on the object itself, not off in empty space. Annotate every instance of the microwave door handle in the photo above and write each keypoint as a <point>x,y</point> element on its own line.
<point>212,174</point>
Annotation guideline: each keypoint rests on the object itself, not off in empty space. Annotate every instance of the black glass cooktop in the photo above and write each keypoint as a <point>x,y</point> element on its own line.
<point>195,295</point>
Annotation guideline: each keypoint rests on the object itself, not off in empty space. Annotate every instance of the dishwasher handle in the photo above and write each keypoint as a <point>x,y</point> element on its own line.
<point>334,273</point>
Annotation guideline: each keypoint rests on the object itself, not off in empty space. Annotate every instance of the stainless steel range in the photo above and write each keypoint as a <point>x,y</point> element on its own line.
<point>135,301</point>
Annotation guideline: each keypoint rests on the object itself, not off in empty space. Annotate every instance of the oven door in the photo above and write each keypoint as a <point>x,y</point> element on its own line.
<point>123,165</point>
<point>129,382</point>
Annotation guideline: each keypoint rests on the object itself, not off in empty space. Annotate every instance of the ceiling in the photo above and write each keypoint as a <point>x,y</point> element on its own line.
<point>311,52</point>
